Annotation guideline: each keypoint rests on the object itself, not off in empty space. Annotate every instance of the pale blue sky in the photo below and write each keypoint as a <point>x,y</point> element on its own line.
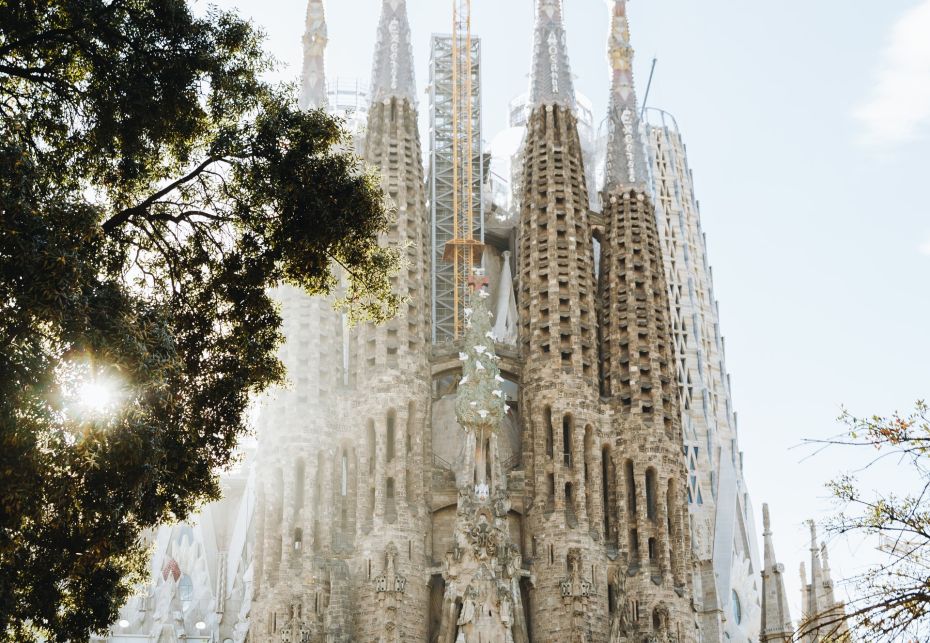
<point>807,130</point>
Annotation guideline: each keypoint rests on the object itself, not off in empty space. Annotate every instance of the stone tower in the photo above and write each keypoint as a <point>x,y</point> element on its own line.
<point>389,366</point>
<point>822,617</point>
<point>340,519</point>
<point>776,619</point>
<point>558,336</point>
<point>296,427</point>
<point>648,505</point>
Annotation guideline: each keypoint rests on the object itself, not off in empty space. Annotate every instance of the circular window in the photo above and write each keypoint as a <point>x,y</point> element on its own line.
<point>737,608</point>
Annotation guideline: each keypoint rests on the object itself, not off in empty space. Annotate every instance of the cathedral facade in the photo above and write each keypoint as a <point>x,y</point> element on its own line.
<point>565,469</point>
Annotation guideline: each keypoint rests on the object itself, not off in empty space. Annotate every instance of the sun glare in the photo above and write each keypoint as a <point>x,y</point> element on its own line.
<point>97,396</point>
<point>90,390</point>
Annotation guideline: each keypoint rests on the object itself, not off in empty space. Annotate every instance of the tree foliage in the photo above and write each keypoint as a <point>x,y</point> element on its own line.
<point>153,188</point>
<point>891,600</point>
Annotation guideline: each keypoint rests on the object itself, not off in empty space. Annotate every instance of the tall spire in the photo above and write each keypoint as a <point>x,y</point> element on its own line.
<point>825,555</point>
<point>626,159</point>
<point>551,82</point>
<point>313,78</point>
<point>813,603</point>
<point>823,615</point>
<point>767,536</point>
<point>392,71</point>
<point>776,619</point>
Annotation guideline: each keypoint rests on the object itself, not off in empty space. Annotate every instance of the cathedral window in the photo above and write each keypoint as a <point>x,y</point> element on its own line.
<point>390,508</point>
<point>391,429</point>
<point>550,500</point>
<point>547,418</point>
<point>737,607</point>
<point>372,446</point>
<point>567,440</point>
<point>371,504</point>
<point>344,483</point>
<point>630,488</point>
<point>587,448</point>
<point>299,492</point>
<point>651,493</point>
<point>411,414</point>
<point>570,518</point>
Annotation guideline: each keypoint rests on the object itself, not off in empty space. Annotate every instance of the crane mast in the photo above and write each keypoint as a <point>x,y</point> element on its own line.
<point>463,250</point>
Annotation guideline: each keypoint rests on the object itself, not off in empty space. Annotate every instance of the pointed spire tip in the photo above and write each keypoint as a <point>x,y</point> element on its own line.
<point>551,82</point>
<point>313,77</point>
<point>392,74</point>
<point>626,158</point>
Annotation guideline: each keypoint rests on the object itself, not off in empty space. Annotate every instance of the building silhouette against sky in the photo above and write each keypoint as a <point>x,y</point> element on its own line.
<point>566,468</point>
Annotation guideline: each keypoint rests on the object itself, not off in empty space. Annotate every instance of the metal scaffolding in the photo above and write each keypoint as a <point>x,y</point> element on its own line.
<point>456,171</point>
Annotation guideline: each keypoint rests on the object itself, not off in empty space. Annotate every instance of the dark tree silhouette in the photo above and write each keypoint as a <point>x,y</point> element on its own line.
<point>152,189</point>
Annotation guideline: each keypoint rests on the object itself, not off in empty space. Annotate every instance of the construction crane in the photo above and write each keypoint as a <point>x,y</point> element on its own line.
<point>463,250</point>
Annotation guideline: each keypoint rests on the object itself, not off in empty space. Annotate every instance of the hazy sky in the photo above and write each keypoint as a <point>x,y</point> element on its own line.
<point>807,128</point>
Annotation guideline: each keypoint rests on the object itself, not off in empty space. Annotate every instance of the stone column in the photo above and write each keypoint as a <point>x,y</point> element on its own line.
<point>287,520</point>
<point>380,470</point>
<point>401,470</point>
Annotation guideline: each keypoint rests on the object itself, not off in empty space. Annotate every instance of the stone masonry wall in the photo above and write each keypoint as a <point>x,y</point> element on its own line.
<point>559,390</point>
<point>391,375</point>
<point>639,384</point>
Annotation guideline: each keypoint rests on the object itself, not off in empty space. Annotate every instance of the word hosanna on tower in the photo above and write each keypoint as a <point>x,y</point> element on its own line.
<point>541,446</point>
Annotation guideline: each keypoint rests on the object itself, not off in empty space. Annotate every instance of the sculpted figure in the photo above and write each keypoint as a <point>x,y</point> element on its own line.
<point>574,562</point>
<point>514,561</point>
<point>468,607</point>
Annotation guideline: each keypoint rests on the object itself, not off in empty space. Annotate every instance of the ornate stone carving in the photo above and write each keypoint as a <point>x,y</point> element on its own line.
<point>390,580</point>
<point>575,585</point>
<point>483,572</point>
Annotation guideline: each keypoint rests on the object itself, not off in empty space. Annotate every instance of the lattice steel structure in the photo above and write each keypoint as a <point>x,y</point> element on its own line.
<point>456,174</point>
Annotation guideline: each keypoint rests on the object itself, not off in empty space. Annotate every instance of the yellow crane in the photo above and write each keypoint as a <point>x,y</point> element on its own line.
<point>463,250</point>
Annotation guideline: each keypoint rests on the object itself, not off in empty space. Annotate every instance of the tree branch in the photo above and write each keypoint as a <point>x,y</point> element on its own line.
<point>123,216</point>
